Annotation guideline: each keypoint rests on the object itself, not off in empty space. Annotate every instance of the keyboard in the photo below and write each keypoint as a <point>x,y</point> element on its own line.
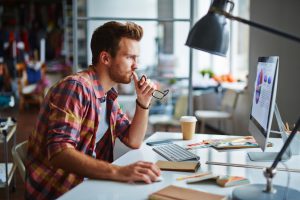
<point>174,152</point>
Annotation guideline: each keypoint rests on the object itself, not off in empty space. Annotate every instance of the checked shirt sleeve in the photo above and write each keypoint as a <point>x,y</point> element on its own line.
<point>122,125</point>
<point>67,107</point>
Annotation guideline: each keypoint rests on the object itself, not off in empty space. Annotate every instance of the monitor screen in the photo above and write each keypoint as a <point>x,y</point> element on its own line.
<point>263,101</point>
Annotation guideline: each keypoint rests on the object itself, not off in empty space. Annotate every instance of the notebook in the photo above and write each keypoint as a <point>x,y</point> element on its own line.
<point>187,166</point>
<point>178,193</point>
<point>221,180</point>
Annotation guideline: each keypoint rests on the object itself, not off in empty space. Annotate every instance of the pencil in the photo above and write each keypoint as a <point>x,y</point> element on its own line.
<point>287,126</point>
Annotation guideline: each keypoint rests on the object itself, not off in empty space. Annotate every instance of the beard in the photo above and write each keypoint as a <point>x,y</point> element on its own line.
<point>117,77</point>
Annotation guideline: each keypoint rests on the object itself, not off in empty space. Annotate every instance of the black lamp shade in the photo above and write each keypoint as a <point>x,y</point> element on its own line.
<point>210,34</point>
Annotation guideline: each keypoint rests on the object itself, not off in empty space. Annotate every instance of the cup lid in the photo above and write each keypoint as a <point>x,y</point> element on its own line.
<point>188,119</point>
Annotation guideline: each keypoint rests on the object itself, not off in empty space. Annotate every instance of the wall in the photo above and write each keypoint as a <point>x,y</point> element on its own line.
<point>283,15</point>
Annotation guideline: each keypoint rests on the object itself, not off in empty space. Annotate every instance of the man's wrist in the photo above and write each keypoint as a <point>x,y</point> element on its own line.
<point>141,105</point>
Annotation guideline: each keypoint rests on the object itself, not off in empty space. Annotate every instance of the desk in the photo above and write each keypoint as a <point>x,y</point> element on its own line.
<point>97,189</point>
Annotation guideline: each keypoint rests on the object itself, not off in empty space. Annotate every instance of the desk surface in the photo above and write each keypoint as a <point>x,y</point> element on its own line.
<point>99,189</point>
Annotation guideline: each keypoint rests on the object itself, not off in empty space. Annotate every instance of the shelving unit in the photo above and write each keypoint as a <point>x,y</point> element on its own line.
<point>7,169</point>
<point>67,16</point>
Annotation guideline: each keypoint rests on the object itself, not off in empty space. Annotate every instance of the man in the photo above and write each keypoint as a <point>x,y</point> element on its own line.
<point>81,119</point>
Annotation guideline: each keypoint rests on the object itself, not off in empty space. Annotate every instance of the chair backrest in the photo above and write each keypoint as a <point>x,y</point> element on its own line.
<point>229,100</point>
<point>181,106</point>
<point>19,153</point>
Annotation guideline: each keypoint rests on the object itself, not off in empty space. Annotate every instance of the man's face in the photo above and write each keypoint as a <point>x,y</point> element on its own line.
<point>125,62</point>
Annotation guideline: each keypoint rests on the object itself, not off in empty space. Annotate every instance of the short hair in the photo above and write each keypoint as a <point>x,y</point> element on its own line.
<point>108,36</point>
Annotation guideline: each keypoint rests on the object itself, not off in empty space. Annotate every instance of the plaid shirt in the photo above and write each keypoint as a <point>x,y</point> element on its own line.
<point>69,118</point>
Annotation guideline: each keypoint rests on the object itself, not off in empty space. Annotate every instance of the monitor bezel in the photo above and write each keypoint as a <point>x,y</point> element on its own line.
<point>254,126</point>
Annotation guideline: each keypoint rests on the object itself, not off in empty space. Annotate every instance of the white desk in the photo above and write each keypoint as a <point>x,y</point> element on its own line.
<point>97,189</point>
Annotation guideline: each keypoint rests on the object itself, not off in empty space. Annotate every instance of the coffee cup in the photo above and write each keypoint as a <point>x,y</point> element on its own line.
<point>188,126</point>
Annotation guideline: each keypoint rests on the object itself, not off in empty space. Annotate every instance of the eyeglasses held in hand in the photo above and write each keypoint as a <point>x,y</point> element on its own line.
<point>157,94</point>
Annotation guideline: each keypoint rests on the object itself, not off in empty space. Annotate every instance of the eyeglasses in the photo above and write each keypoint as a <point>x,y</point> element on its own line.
<point>157,94</point>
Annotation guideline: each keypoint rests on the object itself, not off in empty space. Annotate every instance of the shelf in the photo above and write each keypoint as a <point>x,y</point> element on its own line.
<point>5,181</point>
<point>11,171</point>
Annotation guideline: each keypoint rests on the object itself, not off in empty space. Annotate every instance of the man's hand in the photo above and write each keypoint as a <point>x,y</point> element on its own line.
<point>73,161</point>
<point>139,171</point>
<point>144,89</point>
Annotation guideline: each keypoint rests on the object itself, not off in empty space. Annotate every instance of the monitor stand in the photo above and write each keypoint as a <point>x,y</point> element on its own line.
<point>265,156</point>
<point>270,156</point>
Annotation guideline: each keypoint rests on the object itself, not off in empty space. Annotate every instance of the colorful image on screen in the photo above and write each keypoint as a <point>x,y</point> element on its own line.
<point>263,92</point>
<point>259,82</point>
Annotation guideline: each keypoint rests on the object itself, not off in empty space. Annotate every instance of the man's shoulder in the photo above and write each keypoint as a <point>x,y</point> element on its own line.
<point>82,78</point>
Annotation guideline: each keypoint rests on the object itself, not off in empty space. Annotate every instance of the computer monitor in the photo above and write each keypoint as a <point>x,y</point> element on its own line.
<point>263,105</point>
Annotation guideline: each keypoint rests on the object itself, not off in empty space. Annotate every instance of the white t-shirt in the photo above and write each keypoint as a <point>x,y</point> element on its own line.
<point>102,126</point>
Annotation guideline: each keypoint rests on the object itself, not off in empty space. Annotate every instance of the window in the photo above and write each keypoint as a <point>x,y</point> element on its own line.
<point>163,50</point>
<point>236,62</point>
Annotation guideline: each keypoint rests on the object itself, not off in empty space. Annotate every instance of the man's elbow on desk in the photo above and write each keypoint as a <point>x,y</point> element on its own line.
<point>134,145</point>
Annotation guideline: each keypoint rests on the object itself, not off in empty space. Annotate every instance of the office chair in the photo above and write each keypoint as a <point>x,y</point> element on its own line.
<point>168,121</point>
<point>228,106</point>
<point>19,155</point>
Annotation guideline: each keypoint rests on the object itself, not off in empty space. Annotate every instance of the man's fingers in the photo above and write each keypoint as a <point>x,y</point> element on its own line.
<point>149,89</point>
<point>148,172</point>
<point>140,171</point>
<point>143,177</point>
<point>146,86</point>
<point>135,78</point>
<point>151,166</point>
<point>143,82</point>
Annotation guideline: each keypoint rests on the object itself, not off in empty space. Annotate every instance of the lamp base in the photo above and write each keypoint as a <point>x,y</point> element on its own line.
<point>255,191</point>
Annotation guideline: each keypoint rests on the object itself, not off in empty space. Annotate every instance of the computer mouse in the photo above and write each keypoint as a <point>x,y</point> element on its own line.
<point>159,179</point>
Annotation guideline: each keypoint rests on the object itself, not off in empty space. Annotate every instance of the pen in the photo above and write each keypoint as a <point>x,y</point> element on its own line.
<point>248,166</point>
<point>192,176</point>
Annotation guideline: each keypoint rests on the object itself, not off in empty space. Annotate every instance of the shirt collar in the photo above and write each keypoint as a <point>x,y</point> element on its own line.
<point>98,89</point>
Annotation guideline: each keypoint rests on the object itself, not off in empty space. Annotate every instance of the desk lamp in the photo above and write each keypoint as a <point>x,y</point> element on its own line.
<point>210,34</point>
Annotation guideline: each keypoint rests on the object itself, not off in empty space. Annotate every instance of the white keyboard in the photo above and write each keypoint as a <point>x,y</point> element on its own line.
<point>174,152</point>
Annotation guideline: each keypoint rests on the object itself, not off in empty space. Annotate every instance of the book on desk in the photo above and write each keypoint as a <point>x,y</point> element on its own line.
<point>187,166</point>
<point>179,193</point>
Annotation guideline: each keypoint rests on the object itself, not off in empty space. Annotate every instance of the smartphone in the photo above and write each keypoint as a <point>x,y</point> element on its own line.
<point>154,143</point>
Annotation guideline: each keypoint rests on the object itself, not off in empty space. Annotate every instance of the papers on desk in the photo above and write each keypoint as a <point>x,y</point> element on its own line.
<point>197,145</point>
<point>227,143</point>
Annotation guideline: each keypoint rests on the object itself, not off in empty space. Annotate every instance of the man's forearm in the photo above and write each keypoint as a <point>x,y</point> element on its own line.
<point>78,163</point>
<point>73,161</point>
<point>138,127</point>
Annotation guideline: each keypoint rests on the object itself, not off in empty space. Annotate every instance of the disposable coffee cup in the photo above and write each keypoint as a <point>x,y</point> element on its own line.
<point>188,126</point>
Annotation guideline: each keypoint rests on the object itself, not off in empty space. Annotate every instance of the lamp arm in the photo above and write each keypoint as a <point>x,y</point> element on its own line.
<point>255,24</point>
<point>286,144</point>
<point>270,172</point>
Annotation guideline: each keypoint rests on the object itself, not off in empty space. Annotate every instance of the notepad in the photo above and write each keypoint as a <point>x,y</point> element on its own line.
<point>221,180</point>
<point>187,166</point>
<point>178,193</point>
